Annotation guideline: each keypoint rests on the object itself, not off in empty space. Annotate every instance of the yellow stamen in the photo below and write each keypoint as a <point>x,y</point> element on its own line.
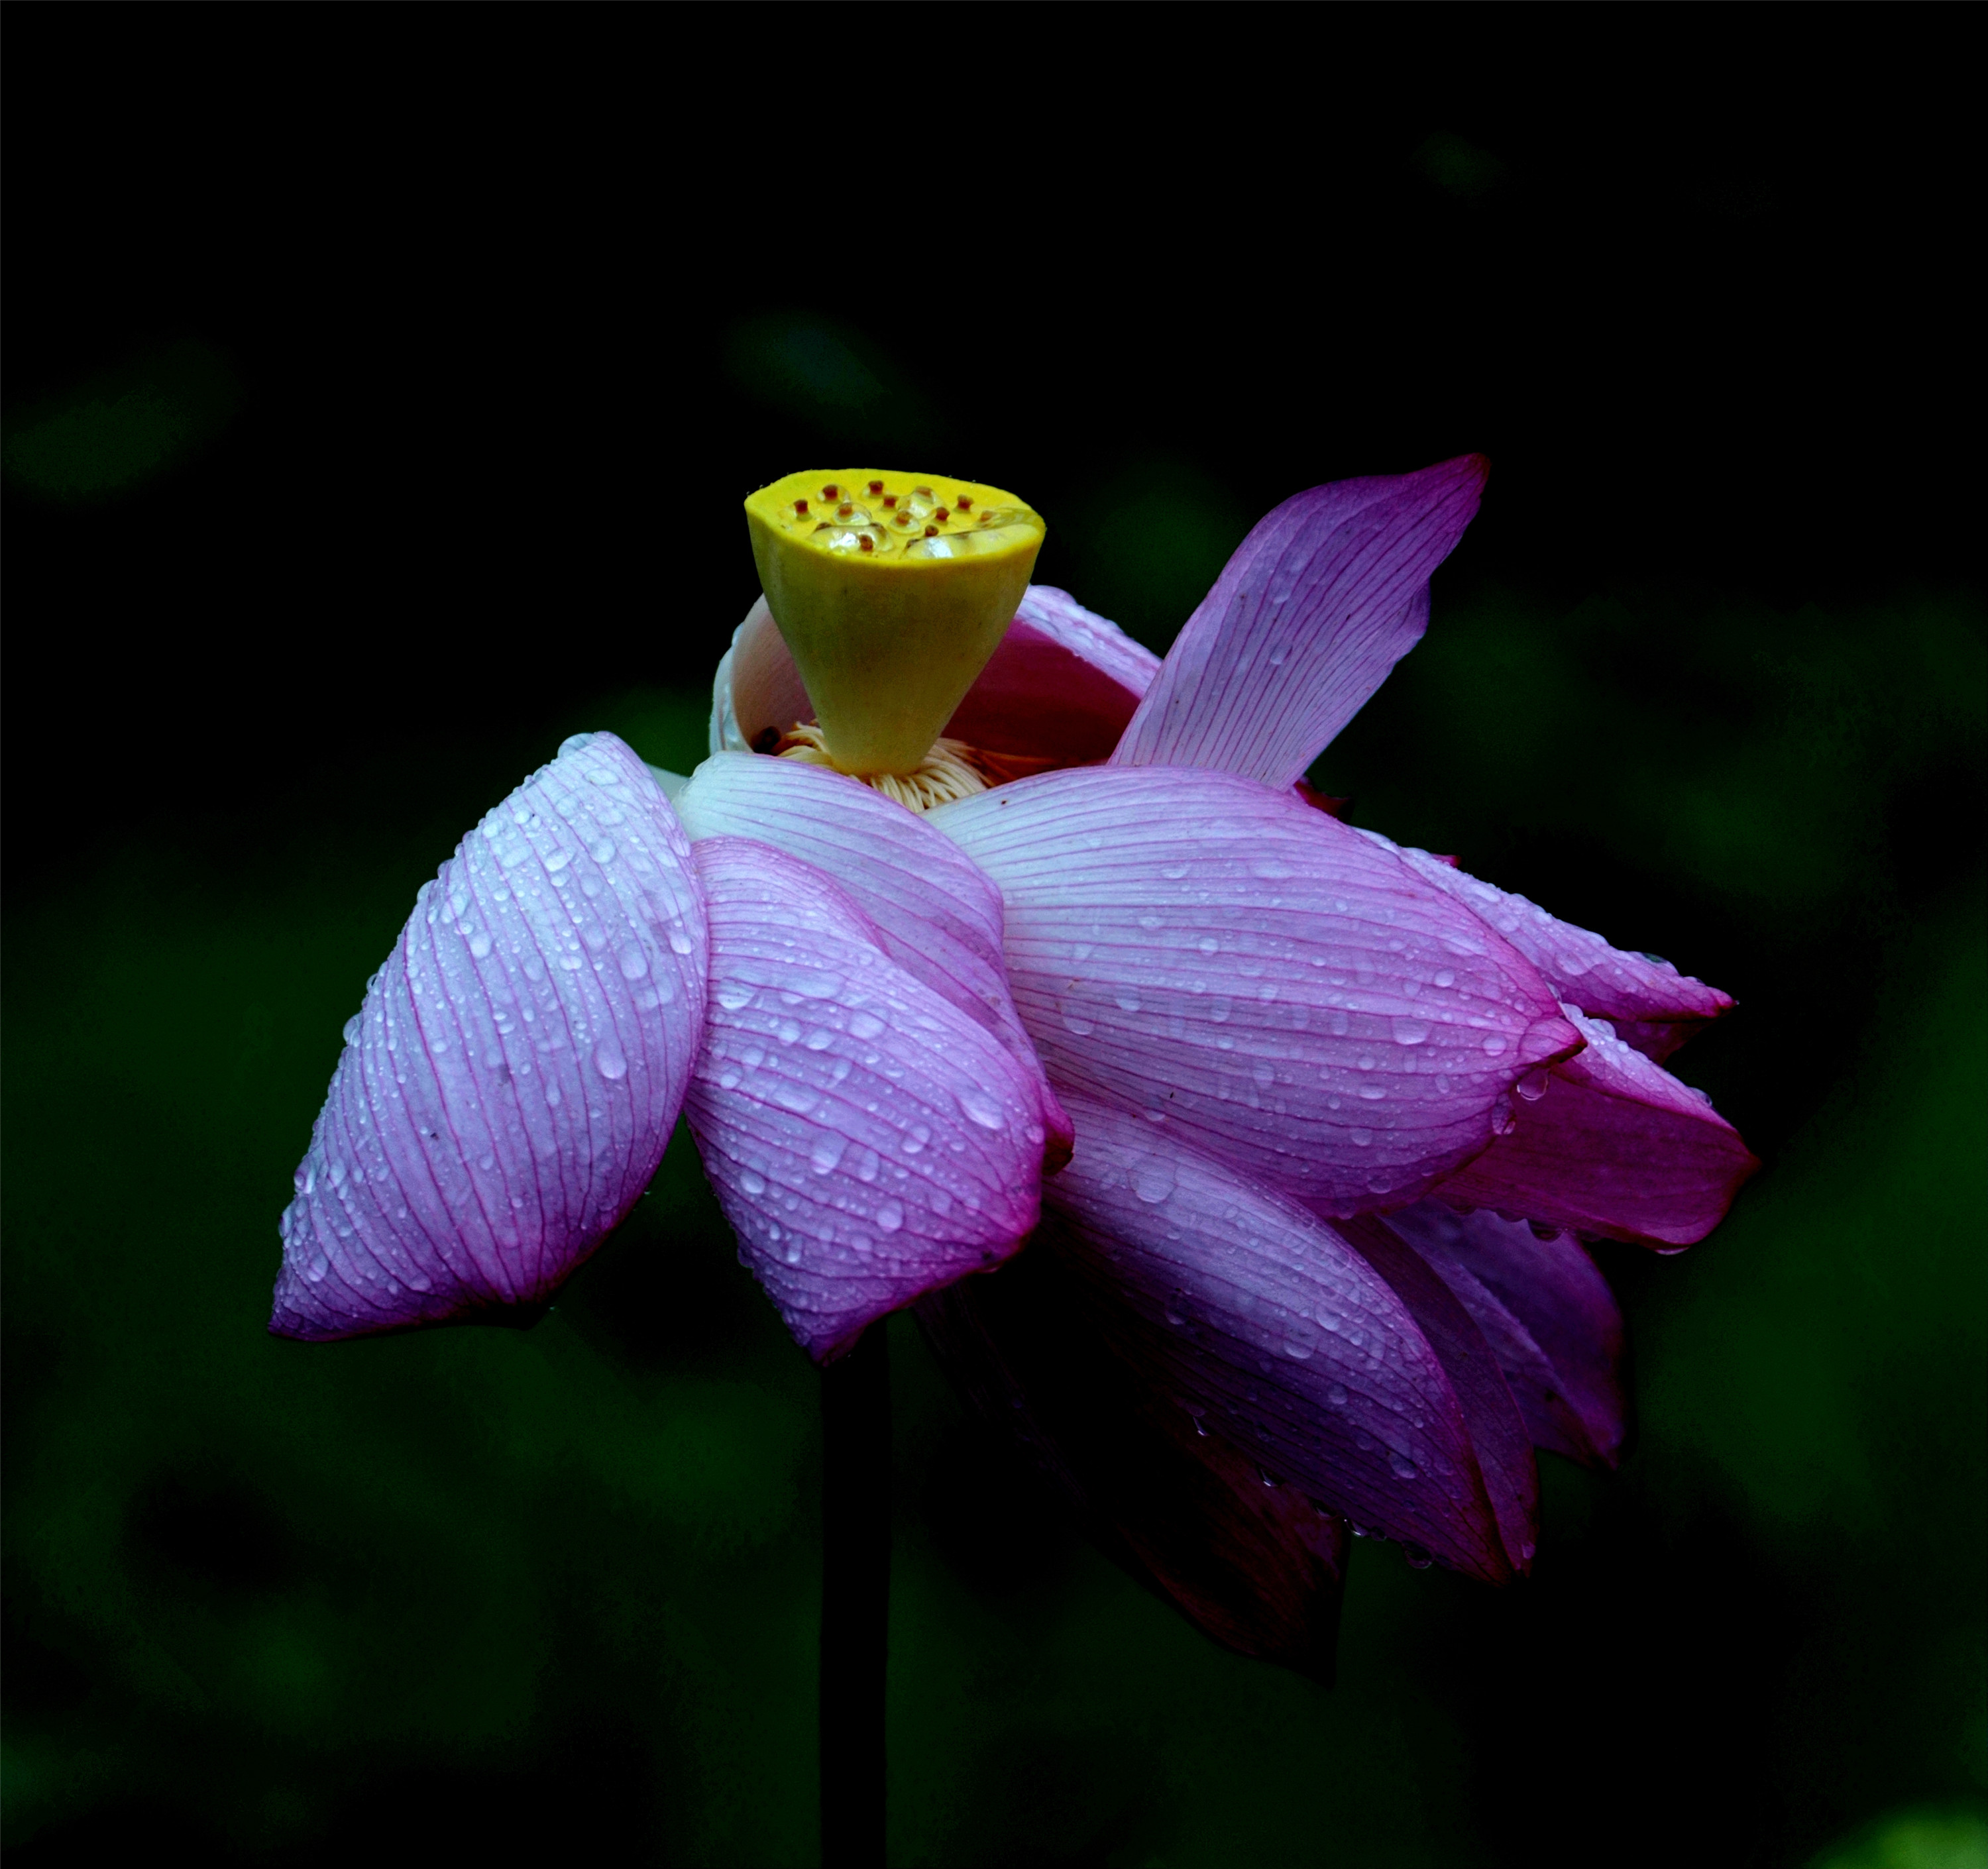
<point>947,772</point>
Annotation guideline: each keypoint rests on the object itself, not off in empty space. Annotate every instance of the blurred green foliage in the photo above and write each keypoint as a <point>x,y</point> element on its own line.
<point>121,427</point>
<point>518,1594</point>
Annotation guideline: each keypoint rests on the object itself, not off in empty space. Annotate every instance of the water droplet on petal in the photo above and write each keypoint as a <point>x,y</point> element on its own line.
<point>1411,1031</point>
<point>1154,1179</point>
<point>981,1108</point>
<point>1493,1046</point>
<point>752,1184</point>
<point>865,1026</point>
<point>890,1216</point>
<point>734,995</point>
<point>634,963</point>
<point>608,1062</point>
<point>825,1156</point>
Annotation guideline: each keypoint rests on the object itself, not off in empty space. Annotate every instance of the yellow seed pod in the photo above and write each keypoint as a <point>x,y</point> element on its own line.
<point>891,591</point>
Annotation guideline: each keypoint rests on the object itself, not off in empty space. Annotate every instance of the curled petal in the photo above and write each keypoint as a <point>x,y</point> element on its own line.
<point>1255,978</point>
<point>868,1141</point>
<point>938,917</point>
<point>1651,1005</point>
<point>1239,1304</point>
<point>510,1084</point>
<point>1259,1567</point>
<point>1609,1143</point>
<point>1548,1315</point>
<point>1320,602</point>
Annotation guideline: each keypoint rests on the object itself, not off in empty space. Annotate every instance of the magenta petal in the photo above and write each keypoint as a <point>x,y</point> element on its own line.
<point>1259,1567</point>
<point>1548,1315</point>
<point>1320,602</point>
<point>508,1087</point>
<point>1063,684</point>
<point>1652,1006</point>
<point>1609,1143</point>
<point>939,917</point>
<point>1258,979</point>
<point>1498,1431</point>
<point>867,1141</point>
<point>1237,1303</point>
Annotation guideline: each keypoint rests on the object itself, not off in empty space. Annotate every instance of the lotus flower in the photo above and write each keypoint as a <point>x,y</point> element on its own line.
<point>1306,1127</point>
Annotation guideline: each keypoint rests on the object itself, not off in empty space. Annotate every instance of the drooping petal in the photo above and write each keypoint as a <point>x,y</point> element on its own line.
<point>510,1084</point>
<point>1548,1315</point>
<point>1609,1143</point>
<point>1260,1568</point>
<point>867,1141</point>
<point>1255,978</point>
<point>1498,1435</point>
<point>1236,1301</point>
<point>1651,1005</point>
<point>1320,602</point>
<point>939,916</point>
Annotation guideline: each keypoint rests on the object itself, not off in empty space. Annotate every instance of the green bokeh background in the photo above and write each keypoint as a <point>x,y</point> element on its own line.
<point>560,1583</point>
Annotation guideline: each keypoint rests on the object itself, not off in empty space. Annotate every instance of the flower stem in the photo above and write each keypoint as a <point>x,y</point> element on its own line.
<point>855,1600</point>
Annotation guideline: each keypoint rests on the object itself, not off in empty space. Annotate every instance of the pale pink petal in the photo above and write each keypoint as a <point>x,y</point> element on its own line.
<point>757,691</point>
<point>867,1141</point>
<point>1244,1308</point>
<point>1255,978</point>
<point>1320,602</point>
<point>1258,1566</point>
<point>1498,1435</point>
<point>509,1085</point>
<point>1548,1315</point>
<point>1651,1005</point>
<point>939,917</point>
<point>1609,1144</point>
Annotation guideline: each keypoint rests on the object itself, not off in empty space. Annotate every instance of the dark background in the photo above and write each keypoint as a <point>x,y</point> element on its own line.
<point>380,389</point>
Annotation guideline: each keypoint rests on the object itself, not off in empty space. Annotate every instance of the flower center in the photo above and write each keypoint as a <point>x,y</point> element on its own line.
<point>891,591</point>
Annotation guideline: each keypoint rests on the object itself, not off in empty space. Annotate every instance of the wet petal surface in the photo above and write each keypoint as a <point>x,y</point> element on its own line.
<point>1548,1313</point>
<point>1255,978</point>
<point>1652,1006</point>
<point>1236,1302</point>
<point>1609,1143</point>
<point>510,1084</point>
<point>939,918</point>
<point>867,1141</point>
<point>1320,602</point>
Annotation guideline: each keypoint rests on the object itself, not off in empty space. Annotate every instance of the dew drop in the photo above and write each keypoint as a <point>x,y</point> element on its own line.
<point>890,1216</point>
<point>634,963</point>
<point>734,995</point>
<point>865,1026</point>
<point>825,1157</point>
<point>1533,1085</point>
<point>1154,1179</point>
<point>1412,1031</point>
<point>1493,1046</point>
<point>608,1062</point>
<point>981,1108</point>
<point>752,1184</point>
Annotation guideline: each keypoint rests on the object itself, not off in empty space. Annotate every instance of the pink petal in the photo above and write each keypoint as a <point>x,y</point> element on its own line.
<point>1320,602</point>
<point>1652,1006</point>
<point>1257,978</point>
<point>1609,1143</point>
<point>1498,1433</point>
<point>508,1088</point>
<point>1237,1303</point>
<point>1548,1315</point>
<point>1260,1568</point>
<point>1061,686</point>
<point>867,1141</point>
<point>939,917</point>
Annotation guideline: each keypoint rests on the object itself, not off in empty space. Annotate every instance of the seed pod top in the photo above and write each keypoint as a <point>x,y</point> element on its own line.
<point>891,591</point>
